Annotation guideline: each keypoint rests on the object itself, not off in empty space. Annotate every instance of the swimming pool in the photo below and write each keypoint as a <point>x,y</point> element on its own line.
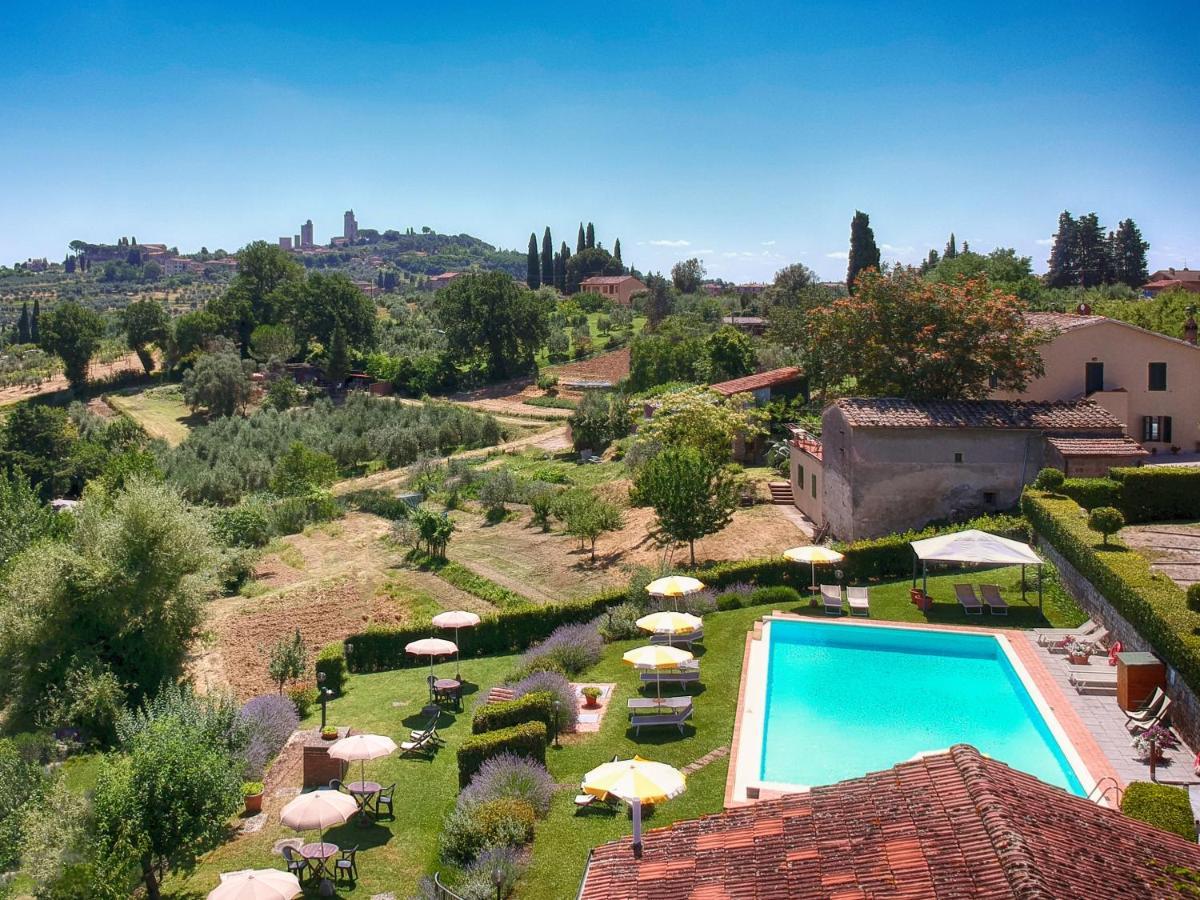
<point>842,701</point>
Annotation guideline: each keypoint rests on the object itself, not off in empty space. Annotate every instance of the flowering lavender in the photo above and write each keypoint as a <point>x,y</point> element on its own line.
<point>267,721</point>
<point>557,685</point>
<point>697,604</point>
<point>571,648</point>
<point>511,776</point>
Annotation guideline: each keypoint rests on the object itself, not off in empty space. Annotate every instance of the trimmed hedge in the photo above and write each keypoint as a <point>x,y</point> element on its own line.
<point>1153,493</point>
<point>1152,603</point>
<point>332,661</point>
<point>527,739</point>
<point>1160,805</point>
<point>1093,492</point>
<point>534,707</point>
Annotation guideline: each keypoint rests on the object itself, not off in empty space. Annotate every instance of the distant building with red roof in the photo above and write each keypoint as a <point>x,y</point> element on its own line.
<point>1173,279</point>
<point>618,288</point>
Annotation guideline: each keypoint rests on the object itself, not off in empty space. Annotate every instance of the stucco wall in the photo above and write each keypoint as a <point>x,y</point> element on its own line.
<point>807,470</point>
<point>1126,353</point>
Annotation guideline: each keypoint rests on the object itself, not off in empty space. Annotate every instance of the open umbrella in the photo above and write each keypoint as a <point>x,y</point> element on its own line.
<point>669,623</point>
<point>431,647</point>
<point>657,656</point>
<point>256,884</point>
<point>318,810</point>
<point>456,619</point>
<point>812,555</point>
<point>636,781</point>
<point>362,747</point>
<point>674,586</point>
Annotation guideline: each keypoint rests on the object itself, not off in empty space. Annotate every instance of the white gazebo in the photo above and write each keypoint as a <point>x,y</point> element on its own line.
<point>975,548</point>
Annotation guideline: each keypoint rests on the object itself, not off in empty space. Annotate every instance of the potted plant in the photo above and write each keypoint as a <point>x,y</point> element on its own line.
<point>591,694</point>
<point>1155,736</point>
<point>329,733</point>
<point>252,793</point>
<point>1077,651</point>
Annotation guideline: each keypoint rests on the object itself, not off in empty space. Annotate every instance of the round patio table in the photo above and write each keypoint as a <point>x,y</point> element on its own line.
<point>316,854</point>
<point>449,687</point>
<point>363,791</point>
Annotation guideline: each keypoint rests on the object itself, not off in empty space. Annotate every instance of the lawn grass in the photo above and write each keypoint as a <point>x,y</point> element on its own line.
<point>563,469</point>
<point>161,411</point>
<point>600,342</point>
<point>396,854</point>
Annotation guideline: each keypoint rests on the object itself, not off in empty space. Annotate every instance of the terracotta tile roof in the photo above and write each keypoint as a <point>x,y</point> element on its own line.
<point>1125,446</point>
<point>771,378</point>
<point>1175,274</point>
<point>950,825</point>
<point>1059,321</point>
<point>607,279</point>
<point>890,412</point>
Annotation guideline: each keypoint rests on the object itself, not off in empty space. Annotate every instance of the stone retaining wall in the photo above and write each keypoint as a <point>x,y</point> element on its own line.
<point>1185,709</point>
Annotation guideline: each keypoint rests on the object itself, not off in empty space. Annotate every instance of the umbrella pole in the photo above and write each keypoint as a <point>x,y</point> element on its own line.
<point>1040,613</point>
<point>457,660</point>
<point>431,679</point>
<point>1022,582</point>
<point>637,826</point>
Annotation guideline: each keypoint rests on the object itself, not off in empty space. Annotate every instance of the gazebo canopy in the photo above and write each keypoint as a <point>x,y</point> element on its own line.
<point>976,547</point>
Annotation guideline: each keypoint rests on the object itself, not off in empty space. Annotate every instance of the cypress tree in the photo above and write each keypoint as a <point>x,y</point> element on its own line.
<point>1129,255</point>
<point>1062,269</point>
<point>617,252</point>
<point>33,321</point>
<point>930,263</point>
<point>547,258</point>
<point>864,254</point>
<point>591,235</point>
<point>951,248</point>
<point>580,244</point>
<point>1091,250</point>
<point>23,325</point>
<point>560,273</point>
<point>532,272</point>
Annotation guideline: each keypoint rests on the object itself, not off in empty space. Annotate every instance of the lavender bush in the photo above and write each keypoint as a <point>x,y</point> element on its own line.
<point>570,648</point>
<point>494,873</point>
<point>267,722</point>
<point>508,775</point>
<point>559,686</point>
<point>698,604</point>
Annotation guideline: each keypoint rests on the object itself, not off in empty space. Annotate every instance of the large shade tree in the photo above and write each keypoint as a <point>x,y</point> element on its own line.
<point>146,323</point>
<point>267,278</point>
<point>693,495</point>
<point>73,333</point>
<point>493,324</point>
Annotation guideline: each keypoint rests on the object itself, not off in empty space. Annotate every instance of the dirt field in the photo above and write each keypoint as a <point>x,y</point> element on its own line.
<point>59,382</point>
<point>607,366</point>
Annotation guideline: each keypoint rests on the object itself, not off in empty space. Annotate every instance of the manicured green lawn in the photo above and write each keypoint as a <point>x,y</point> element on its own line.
<point>396,854</point>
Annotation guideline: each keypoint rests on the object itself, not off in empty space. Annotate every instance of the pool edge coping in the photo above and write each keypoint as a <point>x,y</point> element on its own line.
<point>1089,762</point>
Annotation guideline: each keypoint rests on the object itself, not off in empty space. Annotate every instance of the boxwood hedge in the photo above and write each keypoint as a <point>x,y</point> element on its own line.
<point>1091,493</point>
<point>537,706</point>
<point>526,739</point>
<point>1154,493</point>
<point>1152,603</point>
<point>1160,805</point>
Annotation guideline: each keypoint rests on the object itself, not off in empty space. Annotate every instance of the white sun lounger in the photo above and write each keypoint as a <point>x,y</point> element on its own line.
<point>1048,636</point>
<point>677,719</point>
<point>831,597</point>
<point>1094,678</point>
<point>859,600</point>
<point>991,596</point>
<point>967,599</point>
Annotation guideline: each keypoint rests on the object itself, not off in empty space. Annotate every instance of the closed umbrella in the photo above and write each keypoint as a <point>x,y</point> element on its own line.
<point>431,647</point>
<point>456,619</point>
<point>362,747</point>
<point>657,656</point>
<point>636,781</point>
<point>669,623</point>
<point>257,884</point>
<point>812,555</point>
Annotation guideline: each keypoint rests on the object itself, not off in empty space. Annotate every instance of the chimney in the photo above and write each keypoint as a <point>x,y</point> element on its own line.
<point>1189,330</point>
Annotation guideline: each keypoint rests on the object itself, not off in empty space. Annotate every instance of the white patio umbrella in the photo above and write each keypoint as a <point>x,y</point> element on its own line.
<point>318,810</point>
<point>636,781</point>
<point>256,884</point>
<point>812,555</point>
<point>362,747</point>
<point>456,619</point>
<point>431,647</point>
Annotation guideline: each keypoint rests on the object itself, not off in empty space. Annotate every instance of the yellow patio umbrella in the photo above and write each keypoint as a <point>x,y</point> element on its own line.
<point>657,656</point>
<point>812,555</point>
<point>636,781</point>
<point>669,623</point>
<point>674,586</point>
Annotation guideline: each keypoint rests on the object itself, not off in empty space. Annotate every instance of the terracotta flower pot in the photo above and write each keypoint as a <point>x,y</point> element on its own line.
<point>1078,659</point>
<point>253,803</point>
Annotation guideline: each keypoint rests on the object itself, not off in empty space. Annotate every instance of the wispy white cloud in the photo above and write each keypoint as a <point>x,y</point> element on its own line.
<point>668,243</point>
<point>891,248</point>
<point>709,250</point>
<point>838,254</point>
<point>768,243</point>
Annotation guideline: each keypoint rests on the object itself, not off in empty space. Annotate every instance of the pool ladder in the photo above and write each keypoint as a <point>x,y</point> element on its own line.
<point>1105,786</point>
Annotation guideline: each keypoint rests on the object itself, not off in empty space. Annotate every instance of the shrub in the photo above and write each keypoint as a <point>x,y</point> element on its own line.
<point>779,596</point>
<point>1193,597</point>
<point>1106,520</point>
<point>541,498</point>
<point>472,827</point>
<point>501,487</point>
<point>554,683</point>
<point>303,696</point>
<point>527,739</point>
<point>508,776</point>
<point>1160,805</point>
<point>698,604</point>
<point>267,721</point>
<point>1049,479</point>
<point>572,648</point>
<point>620,624</point>
<point>377,503</point>
<point>1092,492</point>
<point>1154,493</point>
<point>729,601</point>
<point>246,525</point>
<point>537,706</point>
<point>332,661</point>
<point>494,874</point>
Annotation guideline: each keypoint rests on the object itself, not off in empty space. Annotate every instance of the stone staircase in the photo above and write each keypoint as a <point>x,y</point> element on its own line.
<point>781,493</point>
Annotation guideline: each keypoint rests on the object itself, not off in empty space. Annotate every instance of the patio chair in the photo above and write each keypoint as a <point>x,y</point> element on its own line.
<point>346,865</point>
<point>296,864</point>
<point>831,598</point>
<point>676,718</point>
<point>1048,636</point>
<point>859,600</point>
<point>992,599</point>
<point>335,784</point>
<point>422,743</point>
<point>384,798</point>
<point>1159,718</point>
<point>967,599</point>
<point>1148,710</point>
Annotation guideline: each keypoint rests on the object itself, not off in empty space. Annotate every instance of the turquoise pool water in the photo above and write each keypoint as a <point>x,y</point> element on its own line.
<point>845,701</point>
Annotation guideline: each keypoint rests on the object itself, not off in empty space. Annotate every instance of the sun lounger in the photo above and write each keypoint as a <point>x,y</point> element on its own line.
<point>676,718</point>
<point>992,599</point>
<point>424,742</point>
<point>1159,718</point>
<point>1146,713</point>
<point>1095,642</point>
<point>1093,678</point>
<point>685,639</point>
<point>967,599</point>
<point>831,597</point>
<point>859,600</point>
<point>590,801</point>
<point>672,676</point>
<point>1049,636</point>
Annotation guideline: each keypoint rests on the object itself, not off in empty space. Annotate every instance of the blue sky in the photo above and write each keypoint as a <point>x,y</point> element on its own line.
<point>746,134</point>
